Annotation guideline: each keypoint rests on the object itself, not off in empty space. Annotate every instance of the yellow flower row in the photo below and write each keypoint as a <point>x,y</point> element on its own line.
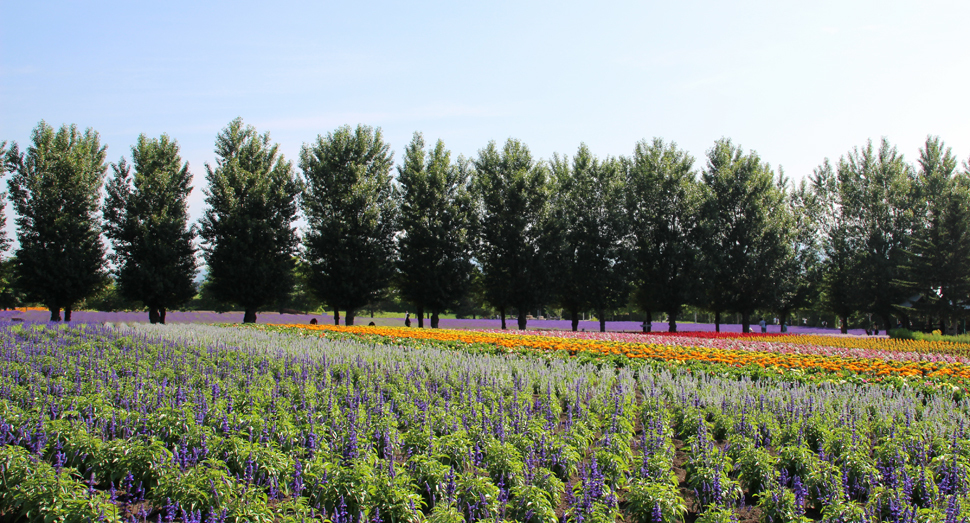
<point>739,358</point>
<point>883,344</point>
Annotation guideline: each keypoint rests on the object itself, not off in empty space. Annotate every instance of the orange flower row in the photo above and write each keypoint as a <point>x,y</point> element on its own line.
<point>670,353</point>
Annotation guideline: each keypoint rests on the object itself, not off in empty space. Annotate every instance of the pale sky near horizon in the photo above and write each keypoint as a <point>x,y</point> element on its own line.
<point>796,82</point>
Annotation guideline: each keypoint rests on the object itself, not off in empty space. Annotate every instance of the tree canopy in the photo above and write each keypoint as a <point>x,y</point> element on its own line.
<point>56,192</point>
<point>351,217</point>
<point>437,222</point>
<point>248,234</point>
<point>146,219</point>
<point>513,191</point>
<point>588,234</point>
<point>745,225</point>
<point>663,202</point>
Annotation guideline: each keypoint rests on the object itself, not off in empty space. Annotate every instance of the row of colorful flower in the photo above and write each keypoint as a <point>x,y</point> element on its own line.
<point>840,346</point>
<point>819,362</point>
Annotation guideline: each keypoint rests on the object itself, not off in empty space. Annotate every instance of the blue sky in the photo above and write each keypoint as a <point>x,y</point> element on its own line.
<point>797,82</point>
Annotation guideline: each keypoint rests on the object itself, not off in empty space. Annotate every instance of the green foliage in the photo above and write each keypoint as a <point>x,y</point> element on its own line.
<point>513,192</point>
<point>756,469</point>
<point>663,204</point>
<point>482,491</point>
<point>446,513</point>
<point>717,515</point>
<point>797,460</point>
<point>263,461</point>
<point>746,224</point>
<point>587,228</point>
<point>779,504</point>
<point>146,219</point>
<point>504,463</point>
<point>351,217</point>
<point>644,497</point>
<point>34,491</point>
<point>332,485</point>
<point>840,511</point>
<point>56,191</point>
<point>207,486</point>
<point>437,222</point>
<point>147,461</point>
<point>530,503</point>
<point>394,499</point>
<point>247,229</point>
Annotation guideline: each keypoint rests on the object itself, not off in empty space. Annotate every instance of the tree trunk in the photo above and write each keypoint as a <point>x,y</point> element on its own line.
<point>336,317</point>
<point>717,321</point>
<point>501,311</point>
<point>67,313</point>
<point>522,321</point>
<point>55,313</point>
<point>420,316</point>
<point>152,315</point>
<point>249,316</point>
<point>602,318</point>
<point>887,321</point>
<point>574,317</point>
<point>647,321</point>
<point>161,315</point>
<point>434,318</point>
<point>349,317</point>
<point>845,324</point>
<point>671,322</point>
<point>745,322</point>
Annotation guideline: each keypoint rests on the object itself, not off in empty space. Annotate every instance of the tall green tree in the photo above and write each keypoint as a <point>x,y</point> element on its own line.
<point>351,217</point>
<point>56,192</point>
<point>841,255</point>
<point>938,269</point>
<point>146,219</point>
<point>512,191</point>
<point>663,203</point>
<point>437,224</point>
<point>802,268</point>
<point>745,223</point>
<point>7,294</point>
<point>4,241</point>
<point>880,187</point>
<point>248,235</point>
<point>591,254</point>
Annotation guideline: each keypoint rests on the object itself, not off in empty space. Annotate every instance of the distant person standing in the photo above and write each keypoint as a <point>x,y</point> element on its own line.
<point>407,319</point>
<point>764,325</point>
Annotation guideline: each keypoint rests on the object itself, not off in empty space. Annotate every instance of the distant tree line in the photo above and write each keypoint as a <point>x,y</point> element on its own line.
<point>868,234</point>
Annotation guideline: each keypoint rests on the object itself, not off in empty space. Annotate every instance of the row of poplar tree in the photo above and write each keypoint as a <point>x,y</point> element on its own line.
<point>870,233</point>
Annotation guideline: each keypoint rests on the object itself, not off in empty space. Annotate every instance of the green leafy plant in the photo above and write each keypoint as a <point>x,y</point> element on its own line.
<point>778,504</point>
<point>145,458</point>
<point>717,515</point>
<point>394,499</point>
<point>645,497</point>
<point>530,503</point>
<point>207,487</point>
<point>756,469</point>
<point>33,490</point>
<point>503,462</point>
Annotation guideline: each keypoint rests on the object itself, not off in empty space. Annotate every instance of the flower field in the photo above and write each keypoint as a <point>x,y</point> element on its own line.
<point>815,358</point>
<point>194,423</point>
